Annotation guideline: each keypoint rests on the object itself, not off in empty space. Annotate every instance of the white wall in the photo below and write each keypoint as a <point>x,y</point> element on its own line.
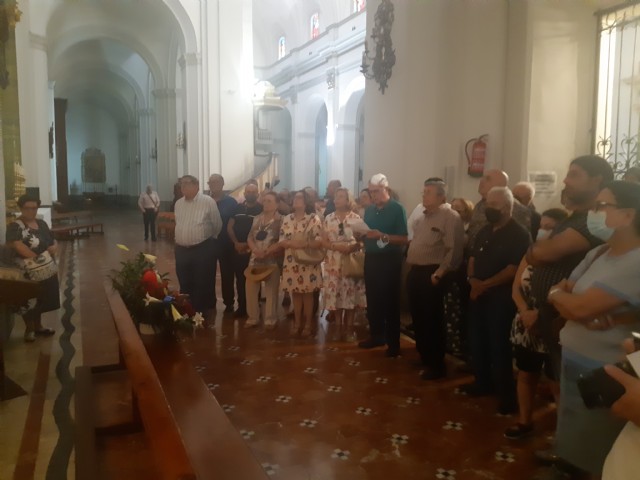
<point>89,126</point>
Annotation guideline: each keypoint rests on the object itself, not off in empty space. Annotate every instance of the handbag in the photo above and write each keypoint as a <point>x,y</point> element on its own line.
<point>39,268</point>
<point>353,264</point>
<point>307,256</point>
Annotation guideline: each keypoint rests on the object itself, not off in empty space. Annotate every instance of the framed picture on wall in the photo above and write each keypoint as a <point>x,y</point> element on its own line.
<point>94,168</point>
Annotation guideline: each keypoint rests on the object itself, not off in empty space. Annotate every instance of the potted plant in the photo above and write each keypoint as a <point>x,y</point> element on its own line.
<point>152,305</point>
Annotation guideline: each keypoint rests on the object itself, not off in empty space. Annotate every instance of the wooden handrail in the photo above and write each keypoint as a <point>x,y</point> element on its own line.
<point>165,439</point>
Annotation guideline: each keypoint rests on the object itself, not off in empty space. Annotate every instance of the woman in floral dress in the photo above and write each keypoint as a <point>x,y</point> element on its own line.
<point>342,295</point>
<point>301,280</point>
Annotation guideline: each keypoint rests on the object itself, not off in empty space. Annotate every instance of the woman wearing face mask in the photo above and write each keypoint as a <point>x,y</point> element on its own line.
<point>596,301</point>
<point>529,350</point>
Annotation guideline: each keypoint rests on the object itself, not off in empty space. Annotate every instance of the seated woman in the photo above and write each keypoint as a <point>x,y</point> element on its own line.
<point>529,350</point>
<point>302,281</point>
<point>342,295</point>
<point>263,244</point>
<point>594,301</point>
<point>31,238</point>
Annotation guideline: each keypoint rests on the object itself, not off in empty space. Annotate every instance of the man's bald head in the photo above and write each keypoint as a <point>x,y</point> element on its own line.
<point>492,178</point>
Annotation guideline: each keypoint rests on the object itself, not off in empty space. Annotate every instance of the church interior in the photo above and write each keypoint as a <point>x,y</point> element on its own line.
<point>100,98</point>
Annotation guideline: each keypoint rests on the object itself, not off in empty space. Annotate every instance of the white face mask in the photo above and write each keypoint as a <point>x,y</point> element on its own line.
<point>542,234</point>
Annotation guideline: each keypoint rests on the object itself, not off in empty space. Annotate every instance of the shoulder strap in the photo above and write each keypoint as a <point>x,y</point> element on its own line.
<point>152,200</point>
<point>603,249</point>
<point>21,224</point>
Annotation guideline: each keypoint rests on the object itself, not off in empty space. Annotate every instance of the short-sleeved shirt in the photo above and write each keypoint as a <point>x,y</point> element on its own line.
<point>391,219</point>
<point>227,207</point>
<point>243,220</point>
<point>521,214</point>
<point>272,230</point>
<point>617,275</point>
<point>493,251</point>
<point>37,239</point>
<point>544,277</point>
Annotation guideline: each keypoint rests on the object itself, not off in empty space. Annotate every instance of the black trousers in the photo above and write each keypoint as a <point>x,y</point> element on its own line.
<point>149,219</point>
<point>426,303</point>
<point>382,278</point>
<point>240,264</point>
<point>195,275</point>
<point>225,254</point>
<point>490,319</point>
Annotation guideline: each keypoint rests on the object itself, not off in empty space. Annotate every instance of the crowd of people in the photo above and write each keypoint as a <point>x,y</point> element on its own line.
<point>552,292</point>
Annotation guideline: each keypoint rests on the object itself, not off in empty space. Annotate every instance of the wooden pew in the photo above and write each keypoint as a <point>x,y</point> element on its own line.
<point>189,434</point>
<point>166,224</point>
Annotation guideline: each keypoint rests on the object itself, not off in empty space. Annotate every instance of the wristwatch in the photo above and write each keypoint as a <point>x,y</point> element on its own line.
<point>385,238</point>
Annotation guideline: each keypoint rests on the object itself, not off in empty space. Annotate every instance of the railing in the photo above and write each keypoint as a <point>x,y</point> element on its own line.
<point>268,175</point>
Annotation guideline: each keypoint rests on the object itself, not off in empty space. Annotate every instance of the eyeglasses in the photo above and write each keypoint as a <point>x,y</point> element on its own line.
<point>602,205</point>
<point>341,228</point>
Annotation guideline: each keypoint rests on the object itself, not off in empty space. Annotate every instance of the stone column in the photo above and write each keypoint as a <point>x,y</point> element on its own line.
<point>195,116</point>
<point>167,131</point>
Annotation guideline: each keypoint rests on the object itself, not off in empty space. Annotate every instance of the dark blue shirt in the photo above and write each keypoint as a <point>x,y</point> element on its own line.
<point>227,207</point>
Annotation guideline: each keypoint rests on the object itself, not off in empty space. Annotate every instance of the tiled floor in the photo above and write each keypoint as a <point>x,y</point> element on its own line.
<point>307,409</point>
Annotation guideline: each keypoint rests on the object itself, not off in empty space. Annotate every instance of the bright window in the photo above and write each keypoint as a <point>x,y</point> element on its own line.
<point>359,5</point>
<point>617,120</point>
<point>282,47</point>
<point>314,24</point>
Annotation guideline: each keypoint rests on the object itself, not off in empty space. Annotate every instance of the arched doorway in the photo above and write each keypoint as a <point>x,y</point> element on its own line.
<point>321,156</point>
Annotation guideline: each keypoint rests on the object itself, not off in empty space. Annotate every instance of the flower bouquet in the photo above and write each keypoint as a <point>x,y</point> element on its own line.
<point>153,306</point>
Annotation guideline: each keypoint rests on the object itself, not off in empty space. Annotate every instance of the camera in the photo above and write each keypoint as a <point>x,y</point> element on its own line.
<point>599,390</point>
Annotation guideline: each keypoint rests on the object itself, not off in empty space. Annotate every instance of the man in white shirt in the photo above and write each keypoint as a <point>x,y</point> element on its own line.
<point>149,204</point>
<point>198,224</point>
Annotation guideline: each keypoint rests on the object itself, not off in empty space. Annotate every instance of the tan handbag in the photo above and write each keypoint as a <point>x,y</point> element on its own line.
<point>353,265</point>
<point>307,256</point>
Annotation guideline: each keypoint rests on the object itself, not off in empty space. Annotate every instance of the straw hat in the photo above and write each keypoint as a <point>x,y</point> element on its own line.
<point>258,273</point>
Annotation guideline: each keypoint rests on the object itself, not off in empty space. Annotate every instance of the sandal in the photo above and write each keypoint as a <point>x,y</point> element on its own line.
<point>44,332</point>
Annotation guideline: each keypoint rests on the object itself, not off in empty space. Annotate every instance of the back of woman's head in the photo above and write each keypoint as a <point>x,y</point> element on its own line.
<point>627,195</point>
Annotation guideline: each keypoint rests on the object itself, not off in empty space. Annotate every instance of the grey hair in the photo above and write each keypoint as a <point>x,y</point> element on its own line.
<point>506,194</point>
<point>441,187</point>
<point>529,186</point>
<point>379,179</point>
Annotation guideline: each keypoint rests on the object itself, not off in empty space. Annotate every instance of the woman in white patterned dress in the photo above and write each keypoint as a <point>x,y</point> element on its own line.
<point>342,295</point>
<point>301,280</point>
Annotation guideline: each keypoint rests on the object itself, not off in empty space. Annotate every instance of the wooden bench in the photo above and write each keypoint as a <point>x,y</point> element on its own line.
<point>70,217</point>
<point>76,230</point>
<point>189,434</point>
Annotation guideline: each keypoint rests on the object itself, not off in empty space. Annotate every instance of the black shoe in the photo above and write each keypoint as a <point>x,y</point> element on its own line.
<point>392,353</point>
<point>228,309</point>
<point>547,457</point>
<point>433,374</point>
<point>146,238</point>
<point>418,364</point>
<point>518,431</point>
<point>153,240</point>
<point>286,302</point>
<point>473,390</point>
<point>370,343</point>
<point>239,313</point>
<point>44,332</point>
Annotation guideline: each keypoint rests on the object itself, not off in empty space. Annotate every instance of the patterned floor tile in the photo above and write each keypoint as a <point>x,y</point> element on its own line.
<point>353,363</point>
<point>334,388</point>
<point>458,391</point>
<point>398,439</point>
<point>308,423</point>
<point>505,457</point>
<point>364,411</point>
<point>212,386</point>
<point>452,426</point>
<point>228,408</point>
<point>333,349</point>
<point>246,362</point>
<point>233,348</point>
<point>413,401</point>
<point>200,368</point>
<point>283,398</point>
<point>247,434</point>
<point>382,380</point>
<point>263,379</point>
<point>291,355</point>
<point>443,473</point>
<point>270,468</point>
<point>310,370</point>
<point>341,454</point>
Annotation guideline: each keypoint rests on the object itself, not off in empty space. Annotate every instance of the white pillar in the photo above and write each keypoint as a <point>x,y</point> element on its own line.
<point>35,104</point>
<point>196,117</point>
<point>167,131</point>
<point>52,154</point>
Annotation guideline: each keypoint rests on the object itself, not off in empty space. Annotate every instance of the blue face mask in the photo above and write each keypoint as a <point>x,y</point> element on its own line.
<point>596,223</point>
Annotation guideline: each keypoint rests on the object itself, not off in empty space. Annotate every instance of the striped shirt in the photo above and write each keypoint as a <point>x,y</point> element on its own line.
<point>438,239</point>
<point>196,220</point>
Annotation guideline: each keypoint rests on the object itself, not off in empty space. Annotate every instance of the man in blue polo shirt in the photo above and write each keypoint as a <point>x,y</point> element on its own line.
<point>383,244</point>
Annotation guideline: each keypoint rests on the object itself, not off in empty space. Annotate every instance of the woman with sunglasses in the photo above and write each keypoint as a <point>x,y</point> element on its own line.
<point>342,295</point>
<point>263,245</point>
<point>598,302</point>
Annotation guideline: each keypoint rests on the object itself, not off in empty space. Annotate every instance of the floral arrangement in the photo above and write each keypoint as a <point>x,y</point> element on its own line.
<point>153,306</point>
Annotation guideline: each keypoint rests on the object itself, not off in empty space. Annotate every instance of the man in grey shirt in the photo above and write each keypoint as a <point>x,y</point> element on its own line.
<point>434,252</point>
<point>198,224</point>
